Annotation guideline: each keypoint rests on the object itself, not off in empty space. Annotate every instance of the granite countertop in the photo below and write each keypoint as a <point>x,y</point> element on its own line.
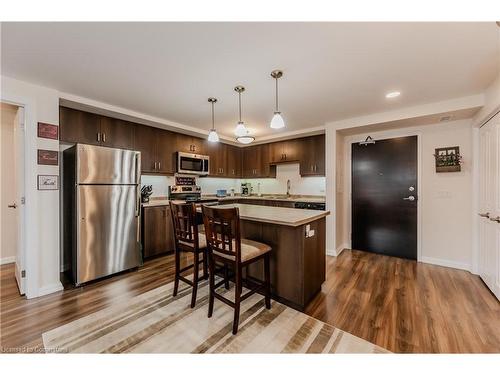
<point>156,202</point>
<point>163,201</point>
<point>284,198</point>
<point>277,215</point>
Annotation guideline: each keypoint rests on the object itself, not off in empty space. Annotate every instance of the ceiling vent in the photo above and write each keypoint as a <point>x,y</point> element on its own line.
<point>445,118</point>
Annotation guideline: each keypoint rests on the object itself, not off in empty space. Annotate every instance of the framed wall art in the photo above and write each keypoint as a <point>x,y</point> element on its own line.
<point>48,131</point>
<point>448,159</point>
<point>48,182</point>
<point>48,157</point>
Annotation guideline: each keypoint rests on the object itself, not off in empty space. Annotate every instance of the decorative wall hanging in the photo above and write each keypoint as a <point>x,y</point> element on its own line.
<point>48,157</point>
<point>48,182</point>
<point>448,159</point>
<point>48,131</point>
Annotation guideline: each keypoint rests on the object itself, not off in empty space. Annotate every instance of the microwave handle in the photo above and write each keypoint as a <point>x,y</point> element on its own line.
<point>205,165</point>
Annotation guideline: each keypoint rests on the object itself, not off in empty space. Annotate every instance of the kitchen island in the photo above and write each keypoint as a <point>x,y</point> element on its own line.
<point>298,241</point>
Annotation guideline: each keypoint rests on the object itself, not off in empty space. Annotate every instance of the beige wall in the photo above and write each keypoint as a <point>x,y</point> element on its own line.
<point>8,234</point>
<point>445,198</point>
<point>42,105</point>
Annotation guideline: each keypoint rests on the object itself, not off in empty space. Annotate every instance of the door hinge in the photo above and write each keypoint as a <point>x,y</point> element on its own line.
<point>23,200</point>
<point>23,273</point>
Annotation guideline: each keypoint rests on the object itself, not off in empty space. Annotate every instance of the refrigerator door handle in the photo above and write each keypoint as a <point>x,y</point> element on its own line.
<point>138,186</point>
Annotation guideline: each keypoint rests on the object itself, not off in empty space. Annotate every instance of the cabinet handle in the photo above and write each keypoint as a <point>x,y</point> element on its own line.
<point>154,167</point>
<point>98,137</point>
<point>104,137</point>
<point>159,165</point>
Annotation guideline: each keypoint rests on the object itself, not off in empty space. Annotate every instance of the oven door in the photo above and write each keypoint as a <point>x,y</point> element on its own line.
<point>192,163</point>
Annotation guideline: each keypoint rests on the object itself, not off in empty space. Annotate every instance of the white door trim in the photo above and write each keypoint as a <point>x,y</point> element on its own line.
<point>381,135</point>
<point>30,224</point>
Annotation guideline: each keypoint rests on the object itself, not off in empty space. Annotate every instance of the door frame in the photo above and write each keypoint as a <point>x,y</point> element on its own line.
<point>378,136</point>
<point>29,227</point>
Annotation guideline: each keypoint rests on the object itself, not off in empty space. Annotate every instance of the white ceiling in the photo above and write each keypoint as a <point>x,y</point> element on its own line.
<point>332,71</point>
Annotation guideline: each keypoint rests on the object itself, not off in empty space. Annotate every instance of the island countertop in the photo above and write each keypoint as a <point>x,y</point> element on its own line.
<point>277,215</point>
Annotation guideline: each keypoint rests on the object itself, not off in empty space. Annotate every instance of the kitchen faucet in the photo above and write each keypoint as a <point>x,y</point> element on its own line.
<point>287,188</point>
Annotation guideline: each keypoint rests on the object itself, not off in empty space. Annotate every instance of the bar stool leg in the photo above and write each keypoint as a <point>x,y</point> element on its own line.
<point>237,295</point>
<point>267,281</point>
<point>211,275</point>
<point>177,268</point>
<point>195,279</point>
<point>205,264</point>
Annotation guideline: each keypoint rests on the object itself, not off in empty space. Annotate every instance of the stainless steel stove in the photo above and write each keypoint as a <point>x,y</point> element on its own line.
<point>185,189</point>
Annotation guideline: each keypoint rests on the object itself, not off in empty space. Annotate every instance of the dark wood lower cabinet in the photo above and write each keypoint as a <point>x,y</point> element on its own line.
<point>157,231</point>
<point>291,250</point>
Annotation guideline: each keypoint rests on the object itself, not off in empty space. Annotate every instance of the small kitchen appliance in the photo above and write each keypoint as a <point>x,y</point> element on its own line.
<point>246,189</point>
<point>146,192</point>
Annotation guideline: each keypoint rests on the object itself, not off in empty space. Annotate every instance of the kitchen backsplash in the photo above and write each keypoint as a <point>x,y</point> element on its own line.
<point>284,172</point>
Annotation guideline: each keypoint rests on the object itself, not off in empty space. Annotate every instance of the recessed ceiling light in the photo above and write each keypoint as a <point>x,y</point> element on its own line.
<point>393,94</point>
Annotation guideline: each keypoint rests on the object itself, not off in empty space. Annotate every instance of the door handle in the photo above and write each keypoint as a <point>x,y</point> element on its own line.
<point>497,219</point>
<point>486,215</point>
<point>411,198</point>
<point>12,205</point>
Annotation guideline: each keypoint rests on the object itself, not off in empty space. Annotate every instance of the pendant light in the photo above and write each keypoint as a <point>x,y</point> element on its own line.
<point>241,131</point>
<point>277,121</point>
<point>212,135</point>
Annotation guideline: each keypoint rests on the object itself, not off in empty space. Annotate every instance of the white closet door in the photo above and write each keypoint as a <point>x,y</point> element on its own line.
<point>489,204</point>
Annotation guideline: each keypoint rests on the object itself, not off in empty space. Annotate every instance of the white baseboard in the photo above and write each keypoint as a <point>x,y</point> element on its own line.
<point>7,260</point>
<point>445,263</point>
<point>336,252</point>
<point>51,288</point>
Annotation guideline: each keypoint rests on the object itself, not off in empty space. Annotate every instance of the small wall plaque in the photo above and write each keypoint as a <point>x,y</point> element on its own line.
<point>448,159</point>
<point>48,182</point>
<point>48,131</point>
<point>48,157</point>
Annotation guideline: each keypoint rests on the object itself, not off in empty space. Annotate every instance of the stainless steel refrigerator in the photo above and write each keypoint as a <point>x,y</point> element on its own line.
<point>101,211</point>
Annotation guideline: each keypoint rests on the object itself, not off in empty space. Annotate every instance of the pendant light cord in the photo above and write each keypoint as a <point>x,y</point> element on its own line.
<point>239,100</point>
<point>213,117</point>
<point>276,94</point>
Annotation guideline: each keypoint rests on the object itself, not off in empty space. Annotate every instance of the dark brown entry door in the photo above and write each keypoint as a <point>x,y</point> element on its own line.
<point>384,180</point>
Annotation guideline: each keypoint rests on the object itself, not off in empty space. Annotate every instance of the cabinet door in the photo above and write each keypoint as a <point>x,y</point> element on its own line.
<point>78,127</point>
<point>263,159</point>
<point>145,142</point>
<point>157,231</point>
<point>251,162</point>
<point>291,150</point>
<point>215,151</point>
<point>312,156</point>
<point>276,152</point>
<point>117,133</point>
<point>165,151</point>
<point>198,145</point>
<point>233,162</point>
<point>184,143</point>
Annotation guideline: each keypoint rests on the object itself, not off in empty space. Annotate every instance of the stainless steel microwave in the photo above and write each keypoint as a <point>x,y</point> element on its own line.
<point>192,163</point>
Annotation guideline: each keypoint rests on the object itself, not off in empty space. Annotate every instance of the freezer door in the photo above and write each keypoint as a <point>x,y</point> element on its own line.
<point>104,165</point>
<point>108,230</point>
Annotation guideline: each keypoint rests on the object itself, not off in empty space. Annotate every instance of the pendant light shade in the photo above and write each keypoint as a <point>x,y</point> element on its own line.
<point>212,135</point>
<point>241,130</point>
<point>246,139</point>
<point>277,121</point>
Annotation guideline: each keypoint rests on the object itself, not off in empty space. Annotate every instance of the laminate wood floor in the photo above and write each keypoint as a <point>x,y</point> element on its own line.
<point>400,305</point>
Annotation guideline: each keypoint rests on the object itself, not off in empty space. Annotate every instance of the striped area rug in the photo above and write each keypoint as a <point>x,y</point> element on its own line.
<point>155,322</point>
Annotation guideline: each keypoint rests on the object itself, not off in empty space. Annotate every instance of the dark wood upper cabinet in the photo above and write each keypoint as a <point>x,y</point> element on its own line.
<point>166,142</point>
<point>145,142</point>
<point>193,145</point>
<point>312,156</point>
<point>256,162</point>
<point>157,149</point>
<point>79,127</point>
<point>234,162</point>
<point>117,133</point>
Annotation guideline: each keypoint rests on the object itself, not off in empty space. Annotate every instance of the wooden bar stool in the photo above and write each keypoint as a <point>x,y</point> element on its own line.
<point>225,245</point>
<point>188,240</point>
